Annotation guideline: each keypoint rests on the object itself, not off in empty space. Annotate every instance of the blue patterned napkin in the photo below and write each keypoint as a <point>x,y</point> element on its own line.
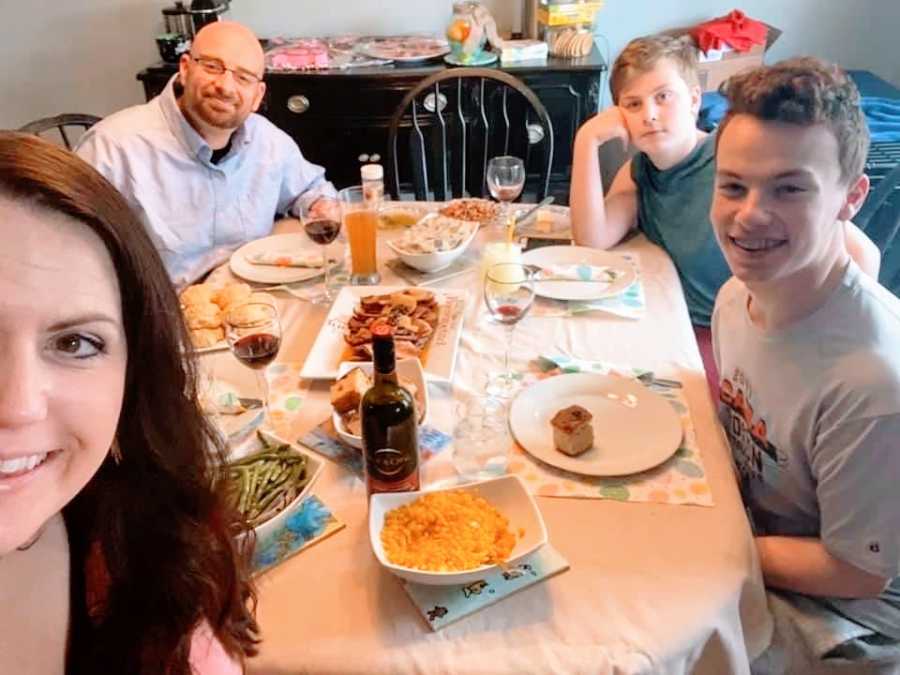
<point>442,605</point>
<point>324,440</point>
<point>310,522</point>
<point>630,304</point>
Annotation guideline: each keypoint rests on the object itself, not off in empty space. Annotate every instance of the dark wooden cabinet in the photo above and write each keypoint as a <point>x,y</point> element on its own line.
<point>339,116</point>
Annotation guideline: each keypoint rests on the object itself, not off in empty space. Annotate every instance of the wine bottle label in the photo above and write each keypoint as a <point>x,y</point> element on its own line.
<point>389,462</point>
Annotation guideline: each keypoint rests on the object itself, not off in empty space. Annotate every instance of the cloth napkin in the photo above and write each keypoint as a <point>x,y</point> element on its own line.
<point>630,304</point>
<point>285,258</point>
<point>735,30</point>
<point>442,605</point>
<point>577,273</point>
<point>311,521</point>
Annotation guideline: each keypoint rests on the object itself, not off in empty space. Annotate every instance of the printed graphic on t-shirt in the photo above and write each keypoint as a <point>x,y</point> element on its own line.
<point>746,430</point>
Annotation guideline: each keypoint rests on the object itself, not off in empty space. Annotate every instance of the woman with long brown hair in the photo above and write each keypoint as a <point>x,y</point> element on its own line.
<point>116,554</point>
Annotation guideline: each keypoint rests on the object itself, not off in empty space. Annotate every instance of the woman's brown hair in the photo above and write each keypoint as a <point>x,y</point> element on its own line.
<point>162,532</point>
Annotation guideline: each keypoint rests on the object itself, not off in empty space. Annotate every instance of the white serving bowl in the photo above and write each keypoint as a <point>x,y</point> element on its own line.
<point>506,493</point>
<point>314,467</point>
<point>407,369</point>
<point>433,262</point>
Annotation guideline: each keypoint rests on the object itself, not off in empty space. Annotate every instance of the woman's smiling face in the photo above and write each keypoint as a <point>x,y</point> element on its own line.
<point>63,356</point>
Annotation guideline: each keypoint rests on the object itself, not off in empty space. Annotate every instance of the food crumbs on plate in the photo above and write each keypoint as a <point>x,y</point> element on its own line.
<point>521,532</point>
<point>447,532</point>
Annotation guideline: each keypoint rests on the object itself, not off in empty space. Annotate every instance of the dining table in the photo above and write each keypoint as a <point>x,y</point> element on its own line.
<point>654,585</point>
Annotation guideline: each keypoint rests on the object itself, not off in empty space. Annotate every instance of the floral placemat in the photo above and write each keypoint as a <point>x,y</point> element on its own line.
<point>310,522</point>
<point>679,480</point>
<point>630,304</point>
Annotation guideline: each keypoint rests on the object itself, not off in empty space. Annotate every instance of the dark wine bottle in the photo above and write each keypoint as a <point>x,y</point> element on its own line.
<point>389,429</point>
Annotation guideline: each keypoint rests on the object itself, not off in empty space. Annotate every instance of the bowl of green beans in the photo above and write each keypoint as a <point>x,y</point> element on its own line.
<point>267,483</point>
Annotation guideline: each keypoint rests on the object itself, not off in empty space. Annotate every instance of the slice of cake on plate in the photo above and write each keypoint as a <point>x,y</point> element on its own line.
<point>572,430</point>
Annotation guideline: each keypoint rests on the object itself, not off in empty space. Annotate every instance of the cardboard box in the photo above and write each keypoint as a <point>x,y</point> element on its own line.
<point>716,66</point>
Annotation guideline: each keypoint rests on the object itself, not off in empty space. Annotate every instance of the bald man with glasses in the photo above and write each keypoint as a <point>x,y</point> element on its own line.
<point>204,171</point>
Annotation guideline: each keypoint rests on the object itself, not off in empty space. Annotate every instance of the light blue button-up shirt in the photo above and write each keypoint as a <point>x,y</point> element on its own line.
<point>198,212</point>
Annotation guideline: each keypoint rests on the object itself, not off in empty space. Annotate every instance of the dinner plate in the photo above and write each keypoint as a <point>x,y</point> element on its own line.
<point>404,48</point>
<point>330,349</point>
<point>272,274</point>
<point>547,256</point>
<point>635,429</point>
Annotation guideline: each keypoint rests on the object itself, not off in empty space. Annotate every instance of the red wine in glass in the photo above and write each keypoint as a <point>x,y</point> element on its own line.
<point>323,231</point>
<point>508,313</point>
<point>257,350</point>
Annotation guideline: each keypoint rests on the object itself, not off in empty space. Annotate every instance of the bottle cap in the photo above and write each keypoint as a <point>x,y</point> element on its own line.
<point>372,172</point>
<point>382,330</point>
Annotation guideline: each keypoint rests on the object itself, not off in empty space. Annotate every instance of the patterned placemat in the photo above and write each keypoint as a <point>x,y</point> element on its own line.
<point>679,480</point>
<point>311,522</point>
<point>630,304</point>
<point>324,440</point>
<point>442,605</point>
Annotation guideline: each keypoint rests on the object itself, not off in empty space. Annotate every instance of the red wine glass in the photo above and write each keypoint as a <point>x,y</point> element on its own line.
<point>323,227</point>
<point>508,294</point>
<point>253,332</point>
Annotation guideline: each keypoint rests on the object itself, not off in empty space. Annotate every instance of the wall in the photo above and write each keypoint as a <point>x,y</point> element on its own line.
<point>82,55</point>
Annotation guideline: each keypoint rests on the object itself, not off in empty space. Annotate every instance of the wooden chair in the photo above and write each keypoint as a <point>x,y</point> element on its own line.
<point>451,123</point>
<point>61,123</point>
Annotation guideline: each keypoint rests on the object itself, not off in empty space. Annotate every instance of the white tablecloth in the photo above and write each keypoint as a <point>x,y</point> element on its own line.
<point>652,588</point>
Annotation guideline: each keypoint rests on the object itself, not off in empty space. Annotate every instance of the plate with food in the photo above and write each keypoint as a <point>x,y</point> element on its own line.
<point>278,259</point>
<point>579,272</point>
<point>509,526</point>
<point>434,242</point>
<point>204,307</point>
<point>473,209</point>
<point>355,380</point>
<point>595,425</point>
<point>427,325</point>
<point>404,48</point>
<point>269,481</point>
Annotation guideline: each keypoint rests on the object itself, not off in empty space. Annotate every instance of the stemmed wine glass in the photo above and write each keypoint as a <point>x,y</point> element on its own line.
<point>508,294</point>
<point>505,179</point>
<point>322,228</point>
<point>253,332</point>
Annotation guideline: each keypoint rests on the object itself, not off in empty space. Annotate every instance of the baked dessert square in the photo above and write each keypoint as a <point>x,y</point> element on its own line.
<point>573,433</point>
<point>347,392</point>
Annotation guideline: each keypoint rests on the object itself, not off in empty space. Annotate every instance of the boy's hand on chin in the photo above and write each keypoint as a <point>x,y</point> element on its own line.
<point>607,125</point>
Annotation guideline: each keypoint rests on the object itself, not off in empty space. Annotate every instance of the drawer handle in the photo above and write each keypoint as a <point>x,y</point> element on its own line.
<point>298,104</point>
<point>535,133</point>
<point>429,102</point>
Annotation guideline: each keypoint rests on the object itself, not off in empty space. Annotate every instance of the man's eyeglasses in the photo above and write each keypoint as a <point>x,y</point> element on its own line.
<point>216,67</point>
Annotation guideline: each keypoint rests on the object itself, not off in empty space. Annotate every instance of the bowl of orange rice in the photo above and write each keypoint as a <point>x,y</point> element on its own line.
<point>455,535</point>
